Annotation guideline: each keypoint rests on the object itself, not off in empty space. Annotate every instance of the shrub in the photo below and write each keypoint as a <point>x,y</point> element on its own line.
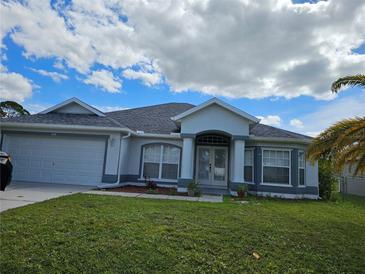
<point>193,189</point>
<point>327,180</point>
<point>242,191</point>
<point>172,191</point>
<point>197,192</point>
<point>150,184</point>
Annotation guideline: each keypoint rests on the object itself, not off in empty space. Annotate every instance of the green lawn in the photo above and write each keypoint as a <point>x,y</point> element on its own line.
<point>92,234</point>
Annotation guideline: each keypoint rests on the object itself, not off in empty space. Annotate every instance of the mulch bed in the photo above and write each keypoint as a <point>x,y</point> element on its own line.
<point>143,189</point>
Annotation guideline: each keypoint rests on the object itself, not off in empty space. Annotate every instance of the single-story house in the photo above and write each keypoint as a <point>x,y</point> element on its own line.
<point>219,146</point>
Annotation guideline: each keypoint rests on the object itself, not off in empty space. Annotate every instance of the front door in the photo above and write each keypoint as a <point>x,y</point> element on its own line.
<point>212,162</point>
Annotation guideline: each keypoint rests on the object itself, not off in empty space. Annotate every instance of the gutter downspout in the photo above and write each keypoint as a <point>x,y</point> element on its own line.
<point>117,183</point>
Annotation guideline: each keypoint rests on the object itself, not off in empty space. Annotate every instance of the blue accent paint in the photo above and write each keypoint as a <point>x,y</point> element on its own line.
<point>214,131</point>
<point>234,185</point>
<point>288,190</point>
<point>109,179</point>
<point>105,155</point>
<point>257,165</point>
<point>130,178</point>
<point>187,135</point>
<point>294,167</point>
<point>183,182</point>
<point>240,137</point>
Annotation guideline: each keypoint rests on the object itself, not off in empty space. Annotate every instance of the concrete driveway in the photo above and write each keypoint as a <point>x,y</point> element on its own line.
<point>21,194</point>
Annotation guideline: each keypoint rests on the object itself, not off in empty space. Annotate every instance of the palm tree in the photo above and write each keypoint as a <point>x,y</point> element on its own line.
<point>344,142</point>
<point>354,80</point>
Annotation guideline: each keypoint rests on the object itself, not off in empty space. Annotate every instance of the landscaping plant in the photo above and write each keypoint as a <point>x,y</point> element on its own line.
<point>242,191</point>
<point>193,188</point>
<point>344,142</point>
<point>327,179</point>
<point>150,184</point>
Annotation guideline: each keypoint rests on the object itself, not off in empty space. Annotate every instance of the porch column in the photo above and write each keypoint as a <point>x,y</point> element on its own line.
<point>238,160</point>
<point>187,158</point>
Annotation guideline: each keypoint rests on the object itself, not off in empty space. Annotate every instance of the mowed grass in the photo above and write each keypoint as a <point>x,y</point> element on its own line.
<point>93,234</point>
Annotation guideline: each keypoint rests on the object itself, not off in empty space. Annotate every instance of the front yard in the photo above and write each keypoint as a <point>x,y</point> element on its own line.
<point>92,234</point>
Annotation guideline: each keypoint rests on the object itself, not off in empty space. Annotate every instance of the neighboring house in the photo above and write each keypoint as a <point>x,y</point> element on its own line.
<point>355,185</point>
<point>216,144</point>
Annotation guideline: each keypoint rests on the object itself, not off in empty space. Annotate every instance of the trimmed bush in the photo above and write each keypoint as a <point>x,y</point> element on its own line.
<point>327,180</point>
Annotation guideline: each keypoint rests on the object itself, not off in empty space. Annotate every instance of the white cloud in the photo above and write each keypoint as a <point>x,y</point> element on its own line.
<point>148,78</point>
<point>271,120</point>
<point>35,108</point>
<point>109,108</point>
<point>14,86</point>
<point>57,77</point>
<point>59,65</point>
<point>234,49</point>
<point>296,123</point>
<point>44,33</point>
<point>105,80</point>
<point>332,112</point>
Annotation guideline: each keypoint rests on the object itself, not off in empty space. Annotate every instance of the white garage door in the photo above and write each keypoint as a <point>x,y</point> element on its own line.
<point>56,159</point>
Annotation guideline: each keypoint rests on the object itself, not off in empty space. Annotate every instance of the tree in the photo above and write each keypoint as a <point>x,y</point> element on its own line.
<point>344,142</point>
<point>355,80</point>
<point>10,109</point>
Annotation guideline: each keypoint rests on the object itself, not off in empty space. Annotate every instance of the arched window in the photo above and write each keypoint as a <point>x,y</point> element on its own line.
<point>161,161</point>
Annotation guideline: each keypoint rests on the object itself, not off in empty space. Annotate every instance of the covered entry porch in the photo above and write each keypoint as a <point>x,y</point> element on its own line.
<point>213,152</point>
<point>214,160</point>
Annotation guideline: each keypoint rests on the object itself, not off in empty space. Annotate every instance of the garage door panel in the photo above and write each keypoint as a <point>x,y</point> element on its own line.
<point>57,159</point>
<point>36,164</point>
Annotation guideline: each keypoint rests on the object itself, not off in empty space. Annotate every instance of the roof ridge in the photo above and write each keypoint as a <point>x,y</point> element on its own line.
<point>158,105</point>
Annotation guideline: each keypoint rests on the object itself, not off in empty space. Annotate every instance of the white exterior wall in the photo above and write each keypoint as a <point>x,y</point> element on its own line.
<point>311,173</point>
<point>112,153</point>
<point>135,149</point>
<point>124,155</point>
<point>213,118</point>
<point>238,161</point>
<point>187,159</point>
<point>73,108</point>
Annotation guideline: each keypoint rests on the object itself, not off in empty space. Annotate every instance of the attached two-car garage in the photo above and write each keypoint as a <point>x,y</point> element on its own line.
<point>66,159</point>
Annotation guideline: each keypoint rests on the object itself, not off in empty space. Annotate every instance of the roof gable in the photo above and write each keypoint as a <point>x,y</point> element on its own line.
<point>151,119</point>
<point>73,106</point>
<point>220,103</point>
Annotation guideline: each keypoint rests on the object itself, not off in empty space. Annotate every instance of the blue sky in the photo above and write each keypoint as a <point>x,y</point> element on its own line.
<point>306,108</point>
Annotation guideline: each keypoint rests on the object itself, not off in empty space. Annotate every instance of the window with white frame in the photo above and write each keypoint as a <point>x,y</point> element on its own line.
<point>276,166</point>
<point>301,167</point>
<point>248,169</point>
<point>160,161</point>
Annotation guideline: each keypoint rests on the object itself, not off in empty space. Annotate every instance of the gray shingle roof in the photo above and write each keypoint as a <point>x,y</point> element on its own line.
<point>64,119</point>
<point>151,119</point>
<point>261,130</point>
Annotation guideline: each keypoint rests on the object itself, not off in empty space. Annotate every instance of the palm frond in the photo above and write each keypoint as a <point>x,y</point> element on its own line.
<point>353,80</point>
<point>343,143</point>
